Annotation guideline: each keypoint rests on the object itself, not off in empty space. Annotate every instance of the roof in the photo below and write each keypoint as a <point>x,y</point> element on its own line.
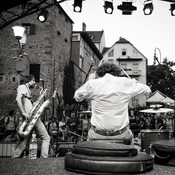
<point>105,49</point>
<point>122,40</point>
<point>95,35</point>
<point>156,97</point>
<point>87,38</point>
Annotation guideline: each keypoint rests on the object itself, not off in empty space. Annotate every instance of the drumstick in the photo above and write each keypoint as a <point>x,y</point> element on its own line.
<point>125,73</point>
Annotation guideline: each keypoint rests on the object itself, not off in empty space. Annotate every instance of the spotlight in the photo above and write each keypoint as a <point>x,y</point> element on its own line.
<point>42,17</point>
<point>126,8</point>
<point>77,5</point>
<point>108,7</point>
<point>172,9</point>
<point>148,7</point>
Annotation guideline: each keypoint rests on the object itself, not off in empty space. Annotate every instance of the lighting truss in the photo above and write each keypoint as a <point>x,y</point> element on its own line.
<point>126,8</point>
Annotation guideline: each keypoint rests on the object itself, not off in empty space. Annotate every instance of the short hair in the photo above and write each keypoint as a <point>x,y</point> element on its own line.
<point>12,112</point>
<point>110,68</point>
<point>26,79</point>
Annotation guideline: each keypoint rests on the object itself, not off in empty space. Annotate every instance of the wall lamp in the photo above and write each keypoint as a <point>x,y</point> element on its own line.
<point>108,7</point>
<point>77,5</point>
<point>148,7</point>
<point>126,8</point>
<point>19,34</point>
<point>42,16</point>
<point>172,9</point>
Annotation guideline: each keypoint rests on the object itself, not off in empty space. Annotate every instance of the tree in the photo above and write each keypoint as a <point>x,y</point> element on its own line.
<point>162,77</point>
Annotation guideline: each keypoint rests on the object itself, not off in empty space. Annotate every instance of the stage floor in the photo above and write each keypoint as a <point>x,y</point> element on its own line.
<point>55,166</point>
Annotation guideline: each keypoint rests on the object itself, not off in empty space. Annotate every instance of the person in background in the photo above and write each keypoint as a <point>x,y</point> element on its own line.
<point>13,137</point>
<point>25,104</point>
<point>109,94</point>
<point>10,122</point>
<point>53,130</point>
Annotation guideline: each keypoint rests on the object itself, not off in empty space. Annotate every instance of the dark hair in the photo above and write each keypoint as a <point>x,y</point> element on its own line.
<point>110,68</point>
<point>11,112</point>
<point>26,79</point>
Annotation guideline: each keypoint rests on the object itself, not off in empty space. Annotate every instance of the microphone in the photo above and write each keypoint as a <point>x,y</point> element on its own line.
<point>41,80</point>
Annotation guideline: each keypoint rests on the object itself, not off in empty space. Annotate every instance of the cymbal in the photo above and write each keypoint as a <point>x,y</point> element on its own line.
<point>85,112</point>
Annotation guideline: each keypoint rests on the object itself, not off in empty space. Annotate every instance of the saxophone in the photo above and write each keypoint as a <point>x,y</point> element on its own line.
<point>26,126</point>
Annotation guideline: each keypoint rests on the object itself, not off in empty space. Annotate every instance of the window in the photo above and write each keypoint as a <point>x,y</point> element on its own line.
<point>123,52</point>
<point>135,52</point>
<point>135,67</point>
<point>1,78</point>
<point>13,79</point>
<point>110,60</point>
<point>30,28</point>
<point>91,36</point>
<point>123,66</point>
<point>35,70</point>
<point>135,102</point>
<point>111,53</point>
<point>75,38</point>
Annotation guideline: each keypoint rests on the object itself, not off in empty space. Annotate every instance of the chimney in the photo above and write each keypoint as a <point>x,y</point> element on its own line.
<point>83,27</point>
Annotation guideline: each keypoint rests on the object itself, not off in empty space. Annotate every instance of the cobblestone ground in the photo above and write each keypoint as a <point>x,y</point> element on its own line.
<point>55,166</point>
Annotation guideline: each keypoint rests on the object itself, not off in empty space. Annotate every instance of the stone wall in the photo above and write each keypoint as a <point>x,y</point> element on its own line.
<point>49,47</point>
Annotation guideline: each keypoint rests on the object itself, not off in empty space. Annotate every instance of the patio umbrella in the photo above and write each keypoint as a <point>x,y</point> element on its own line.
<point>168,100</point>
<point>155,106</point>
<point>157,110</point>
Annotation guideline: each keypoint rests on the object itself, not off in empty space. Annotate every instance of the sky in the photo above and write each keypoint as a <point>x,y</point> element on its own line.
<point>148,33</point>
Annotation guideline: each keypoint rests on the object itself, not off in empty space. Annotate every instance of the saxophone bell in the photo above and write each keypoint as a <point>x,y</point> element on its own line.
<point>39,106</point>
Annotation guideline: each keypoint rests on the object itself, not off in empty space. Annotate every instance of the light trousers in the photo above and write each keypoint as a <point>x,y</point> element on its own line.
<point>45,138</point>
<point>126,137</point>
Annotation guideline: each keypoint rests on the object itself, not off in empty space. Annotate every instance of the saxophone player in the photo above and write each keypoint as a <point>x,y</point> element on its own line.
<point>25,105</point>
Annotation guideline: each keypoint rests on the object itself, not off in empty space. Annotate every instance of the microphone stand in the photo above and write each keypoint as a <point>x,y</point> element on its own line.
<point>77,104</point>
<point>88,72</point>
<point>45,117</point>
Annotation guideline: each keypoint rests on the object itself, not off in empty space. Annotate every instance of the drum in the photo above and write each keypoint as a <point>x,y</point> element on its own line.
<point>85,114</point>
<point>84,121</point>
<point>149,136</point>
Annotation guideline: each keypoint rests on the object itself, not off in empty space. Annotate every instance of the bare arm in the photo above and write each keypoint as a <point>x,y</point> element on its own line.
<point>20,105</point>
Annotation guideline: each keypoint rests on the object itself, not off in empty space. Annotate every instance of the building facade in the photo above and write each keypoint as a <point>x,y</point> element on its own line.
<point>132,61</point>
<point>84,54</point>
<point>46,54</point>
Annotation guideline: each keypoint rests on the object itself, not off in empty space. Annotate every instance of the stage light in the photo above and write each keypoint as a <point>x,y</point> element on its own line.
<point>172,9</point>
<point>126,8</point>
<point>148,7</point>
<point>42,17</point>
<point>77,5</point>
<point>108,7</point>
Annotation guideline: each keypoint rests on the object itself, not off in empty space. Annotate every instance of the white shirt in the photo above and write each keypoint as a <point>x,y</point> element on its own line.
<point>25,91</point>
<point>110,97</point>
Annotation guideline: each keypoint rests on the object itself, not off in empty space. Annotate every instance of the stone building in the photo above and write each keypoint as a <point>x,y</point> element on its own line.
<point>46,55</point>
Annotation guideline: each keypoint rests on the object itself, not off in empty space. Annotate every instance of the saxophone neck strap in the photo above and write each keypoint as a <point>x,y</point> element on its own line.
<point>29,98</point>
